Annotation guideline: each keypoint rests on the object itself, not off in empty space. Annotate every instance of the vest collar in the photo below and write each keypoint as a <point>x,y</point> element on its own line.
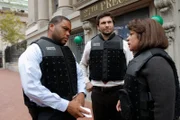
<point>111,36</point>
<point>51,40</point>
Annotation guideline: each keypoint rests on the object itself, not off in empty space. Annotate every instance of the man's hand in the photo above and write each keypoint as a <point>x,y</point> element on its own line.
<point>80,98</point>
<point>89,86</point>
<point>75,110</point>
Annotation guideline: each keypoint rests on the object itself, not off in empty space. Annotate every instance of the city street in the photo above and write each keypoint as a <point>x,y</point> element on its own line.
<point>11,105</point>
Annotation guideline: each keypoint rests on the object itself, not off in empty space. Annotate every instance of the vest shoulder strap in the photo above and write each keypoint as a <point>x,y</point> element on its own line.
<point>116,42</point>
<point>49,48</point>
<point>138,62</point>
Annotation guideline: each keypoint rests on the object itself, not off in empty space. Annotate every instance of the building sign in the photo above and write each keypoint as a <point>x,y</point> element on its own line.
<point>102,6</point>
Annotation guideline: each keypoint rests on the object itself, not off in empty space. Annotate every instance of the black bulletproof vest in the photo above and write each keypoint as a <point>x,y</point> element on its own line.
<point>58,73</point>
<point>107,59</point>
<point>139,94</point>
<point>58,68</point>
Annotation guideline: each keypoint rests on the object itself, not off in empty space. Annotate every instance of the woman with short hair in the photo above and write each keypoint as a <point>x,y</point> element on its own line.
<point>151,82</point>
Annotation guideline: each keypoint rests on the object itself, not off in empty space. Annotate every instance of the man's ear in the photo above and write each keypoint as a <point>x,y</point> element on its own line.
<point>51,27</point>
<point>98,27</point>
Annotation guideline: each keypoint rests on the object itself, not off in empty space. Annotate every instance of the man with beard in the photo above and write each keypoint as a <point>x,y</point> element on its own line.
<point>107,56</point>
<point>53,83</point>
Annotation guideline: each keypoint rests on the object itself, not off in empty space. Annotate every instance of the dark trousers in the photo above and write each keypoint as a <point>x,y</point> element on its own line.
<point>104,103</point>
<point>49,114</point>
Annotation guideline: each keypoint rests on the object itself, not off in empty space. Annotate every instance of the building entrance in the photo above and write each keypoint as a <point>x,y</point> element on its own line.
<point>122,21</point>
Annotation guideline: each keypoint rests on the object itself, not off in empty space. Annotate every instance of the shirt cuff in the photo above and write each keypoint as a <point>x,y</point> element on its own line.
<point>78,94</point>
<point>87,80</point>
<point>64,105</point>
<point>82,90</point>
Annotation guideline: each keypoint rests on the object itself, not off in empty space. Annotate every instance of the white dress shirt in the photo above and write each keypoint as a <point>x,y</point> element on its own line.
<point>30,73</point>
<point>85,64</point>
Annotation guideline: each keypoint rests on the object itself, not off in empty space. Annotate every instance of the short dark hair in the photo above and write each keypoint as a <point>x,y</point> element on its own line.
<point>150,33</point>
<point>57,19</point>
<point>104,14</point>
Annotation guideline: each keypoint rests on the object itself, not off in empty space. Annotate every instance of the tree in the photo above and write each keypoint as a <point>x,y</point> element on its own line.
<point>11,28</point>
<point>7,1</point>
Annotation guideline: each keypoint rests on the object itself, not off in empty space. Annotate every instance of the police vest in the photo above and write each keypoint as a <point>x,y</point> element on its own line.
<point>58,69</point>
<point>107,59</point>
<point>140,96</point>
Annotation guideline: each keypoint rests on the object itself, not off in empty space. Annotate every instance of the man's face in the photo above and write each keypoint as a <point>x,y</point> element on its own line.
<point>106,25</point>
<point>61,31</point>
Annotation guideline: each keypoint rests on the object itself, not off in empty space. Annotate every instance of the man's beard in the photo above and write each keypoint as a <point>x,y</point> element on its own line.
<point>107,34</point>
<point>58,40</point>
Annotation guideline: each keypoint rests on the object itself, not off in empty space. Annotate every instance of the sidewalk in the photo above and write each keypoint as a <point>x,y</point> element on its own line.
<point>11,105</point>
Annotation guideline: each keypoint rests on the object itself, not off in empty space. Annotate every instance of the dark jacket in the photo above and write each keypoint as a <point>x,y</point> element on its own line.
<point>156,79</point>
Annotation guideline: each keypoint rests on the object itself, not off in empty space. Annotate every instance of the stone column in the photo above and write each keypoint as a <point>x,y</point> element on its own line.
<point>90,30</point>
<point>51,8</point>
<point>74,2</point>
<point>32,16</point>
<point>43,13</point>
<point>168,9</point>
<point>64,7</point>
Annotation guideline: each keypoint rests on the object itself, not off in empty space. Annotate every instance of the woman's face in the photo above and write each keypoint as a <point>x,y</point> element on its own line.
<point>133,41</point>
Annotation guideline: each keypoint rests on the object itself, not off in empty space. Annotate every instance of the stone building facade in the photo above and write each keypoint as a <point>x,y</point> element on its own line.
<point>19,7</point>
<point>82,14</point>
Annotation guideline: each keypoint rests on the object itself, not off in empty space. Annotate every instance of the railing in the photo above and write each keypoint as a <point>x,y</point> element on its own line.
<point>13,52</point>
